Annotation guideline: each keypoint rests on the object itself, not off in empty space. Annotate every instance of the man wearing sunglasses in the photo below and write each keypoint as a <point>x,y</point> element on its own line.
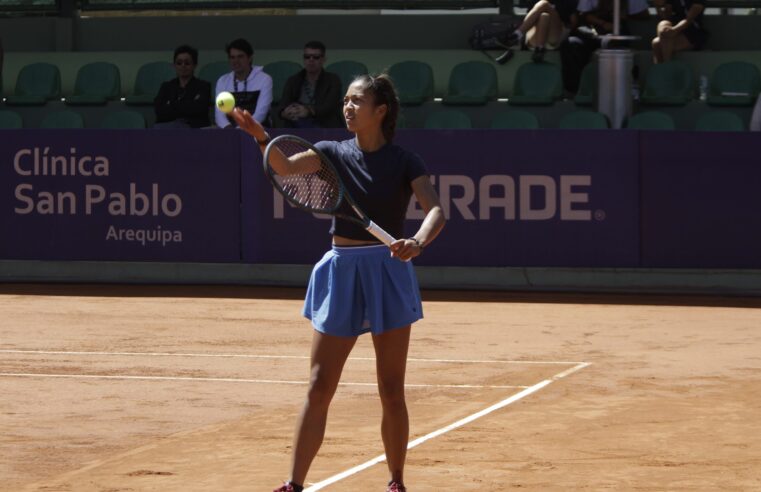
<point>183,102</point>
<point>312,98</point>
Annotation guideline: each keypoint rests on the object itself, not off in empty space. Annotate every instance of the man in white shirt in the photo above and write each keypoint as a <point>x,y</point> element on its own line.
<point>251,87</point>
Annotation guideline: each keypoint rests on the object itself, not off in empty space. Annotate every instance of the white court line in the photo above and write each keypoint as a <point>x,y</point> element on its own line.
<point>507,401</point>
<point>238,380</point>
<point>257,356</point>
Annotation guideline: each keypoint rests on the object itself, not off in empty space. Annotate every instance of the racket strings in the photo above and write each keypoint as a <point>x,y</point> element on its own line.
<point>318,190</point>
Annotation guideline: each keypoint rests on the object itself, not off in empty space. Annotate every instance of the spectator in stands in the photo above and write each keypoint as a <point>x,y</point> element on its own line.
<point>312,97</point>
<point>681,28</point>
<point>598,14</point>
<point>595,20</point>
<point>249,84</point>
<point>546,26</point>
<point>183,102</point>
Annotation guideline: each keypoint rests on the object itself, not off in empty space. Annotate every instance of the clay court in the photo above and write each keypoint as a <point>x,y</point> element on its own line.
<point>135,388</point>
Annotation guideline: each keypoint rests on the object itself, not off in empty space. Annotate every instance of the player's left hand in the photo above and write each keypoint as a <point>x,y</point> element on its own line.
<point>248,124</point>
<point>405,249</point>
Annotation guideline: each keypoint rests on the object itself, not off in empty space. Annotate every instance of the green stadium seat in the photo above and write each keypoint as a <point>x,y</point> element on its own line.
<point>413,81</point>
<point>447,119</point>
<point>36,84</point>
<point>651,120</point>
<point>668,84</point>
<point>96,83</point>
<point>63,119</point>
<point>211,72</point>
<point>515,119</point>
<point>149,78</point>
<point>10,120</point>
<point>347,71</point>
<point>587,93</point>
<point>280,71</point>
<point>471,83</point>
<point>719,121</point>
<point>584,120</point>
<point>537,84</point>
<point>734,84</point>
<point>125,120</point>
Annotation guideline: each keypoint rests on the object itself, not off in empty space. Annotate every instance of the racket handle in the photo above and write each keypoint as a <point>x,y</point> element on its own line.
<point>378,232</point>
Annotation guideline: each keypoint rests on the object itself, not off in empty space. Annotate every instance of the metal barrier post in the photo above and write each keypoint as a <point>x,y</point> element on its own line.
<point>614,85</point>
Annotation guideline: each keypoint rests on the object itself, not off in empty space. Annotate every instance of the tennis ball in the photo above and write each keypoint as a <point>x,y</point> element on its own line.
<point>225,102</point>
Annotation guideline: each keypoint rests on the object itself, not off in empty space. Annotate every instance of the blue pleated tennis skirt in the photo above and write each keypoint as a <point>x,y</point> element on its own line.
<point>362,289</point>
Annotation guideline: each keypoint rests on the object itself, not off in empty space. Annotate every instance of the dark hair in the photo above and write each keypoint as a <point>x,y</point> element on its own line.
<point>187,49</point>
<point>384,92</point>
<point>315,45</point>
<point>240,44</point>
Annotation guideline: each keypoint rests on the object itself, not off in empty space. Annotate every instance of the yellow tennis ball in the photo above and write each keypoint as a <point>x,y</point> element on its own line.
<point>225,102</point>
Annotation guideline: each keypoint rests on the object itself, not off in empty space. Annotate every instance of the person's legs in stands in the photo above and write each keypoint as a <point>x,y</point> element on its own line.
<point>668,42</point>
<point>657,55</point>
<point>531,20</point>
<point>547,31</point>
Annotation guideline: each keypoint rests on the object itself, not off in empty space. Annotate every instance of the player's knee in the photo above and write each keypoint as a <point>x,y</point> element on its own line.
<point>391,394</point>
<point>319,394</point>
<point>543,5</point>
<point>661,26</point>
<point>318,398</point>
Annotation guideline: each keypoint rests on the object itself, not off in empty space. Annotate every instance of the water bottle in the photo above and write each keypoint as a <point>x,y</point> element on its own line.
<point>703,88</point>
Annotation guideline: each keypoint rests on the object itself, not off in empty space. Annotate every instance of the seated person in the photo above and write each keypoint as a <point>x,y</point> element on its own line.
<point>312,97</point>
<point>681,28</point>
<point>598,14</point>
<point>595,19</point>
<point>546,26</point>
<point>183,102</point>
<point>251,87</point>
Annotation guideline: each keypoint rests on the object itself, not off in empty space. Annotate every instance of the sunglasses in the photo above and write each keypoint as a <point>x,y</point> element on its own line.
<point>183,62</point>
<point>312,57</point>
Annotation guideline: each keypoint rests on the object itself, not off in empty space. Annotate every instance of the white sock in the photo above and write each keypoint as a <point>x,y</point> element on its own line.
<point>519,33</point>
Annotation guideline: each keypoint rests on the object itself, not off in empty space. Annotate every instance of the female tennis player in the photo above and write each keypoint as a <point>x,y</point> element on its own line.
<point>358,287</point>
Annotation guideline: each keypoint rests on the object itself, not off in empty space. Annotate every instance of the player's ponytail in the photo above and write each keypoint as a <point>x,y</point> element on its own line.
<point>384,92</point>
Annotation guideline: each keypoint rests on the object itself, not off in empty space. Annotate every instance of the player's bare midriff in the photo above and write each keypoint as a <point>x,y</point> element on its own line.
<point>345,241</point>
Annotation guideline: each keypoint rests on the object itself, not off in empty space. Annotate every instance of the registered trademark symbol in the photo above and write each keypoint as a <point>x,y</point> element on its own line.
<point>599,214</point>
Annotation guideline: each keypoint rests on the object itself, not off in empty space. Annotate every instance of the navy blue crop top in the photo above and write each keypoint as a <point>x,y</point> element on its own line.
<point>379,182</point>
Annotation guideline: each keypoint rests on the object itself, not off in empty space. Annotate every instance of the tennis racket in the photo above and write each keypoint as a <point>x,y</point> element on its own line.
<point>308,180</point>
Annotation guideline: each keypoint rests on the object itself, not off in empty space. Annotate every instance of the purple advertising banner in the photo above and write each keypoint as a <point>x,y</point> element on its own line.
<point>701,200</point>
<point>169,195</point>
<point>518,198</point>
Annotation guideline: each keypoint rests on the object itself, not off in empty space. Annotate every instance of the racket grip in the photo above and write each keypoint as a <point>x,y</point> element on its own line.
<point>378,232</point>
